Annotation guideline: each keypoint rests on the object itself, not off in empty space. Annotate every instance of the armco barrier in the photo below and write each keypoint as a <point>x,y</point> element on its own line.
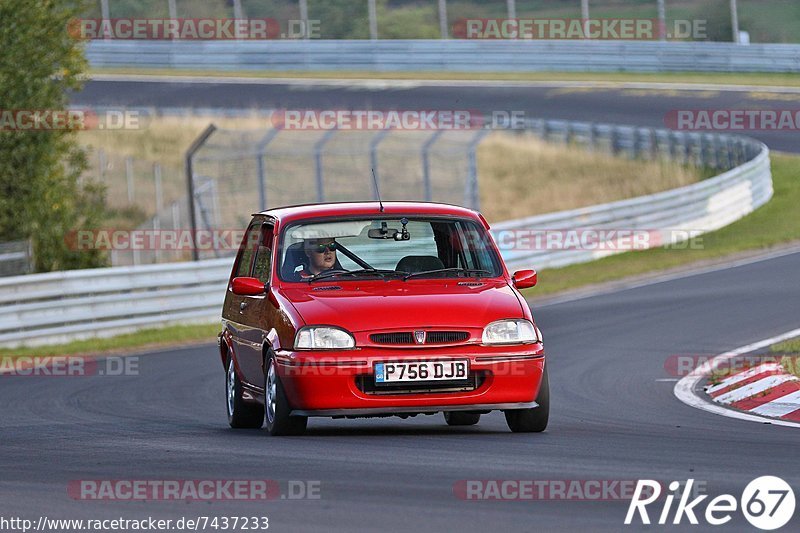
<point>57,306</point>
<point>60,306</point>
<point>693,209</point>
<point>446,55</point>
<point>16,258</point>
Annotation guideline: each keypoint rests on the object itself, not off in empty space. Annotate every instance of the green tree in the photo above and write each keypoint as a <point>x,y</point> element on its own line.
<point>340,19</point>
<point>717,14</point>
<point>42,197</point>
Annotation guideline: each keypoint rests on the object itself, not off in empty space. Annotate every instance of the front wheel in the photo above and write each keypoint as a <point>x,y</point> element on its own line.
<point>279,422</point>
<point>532,420</point>
<point>240,413</point>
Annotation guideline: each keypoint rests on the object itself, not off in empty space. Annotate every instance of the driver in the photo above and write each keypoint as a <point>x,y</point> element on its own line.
<point>321,255</point>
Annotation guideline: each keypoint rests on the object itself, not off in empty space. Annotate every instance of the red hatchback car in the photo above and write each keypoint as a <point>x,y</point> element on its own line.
<point>368,309</point>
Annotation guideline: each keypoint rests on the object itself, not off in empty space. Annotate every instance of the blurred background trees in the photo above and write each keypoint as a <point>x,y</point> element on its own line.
<point>42,196</point>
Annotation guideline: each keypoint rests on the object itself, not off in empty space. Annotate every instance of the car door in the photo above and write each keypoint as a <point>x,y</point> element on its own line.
<point>241,325</point>
<point>257,312</point>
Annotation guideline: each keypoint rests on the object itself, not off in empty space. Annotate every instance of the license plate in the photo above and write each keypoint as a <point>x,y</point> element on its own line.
<point>401,372</point>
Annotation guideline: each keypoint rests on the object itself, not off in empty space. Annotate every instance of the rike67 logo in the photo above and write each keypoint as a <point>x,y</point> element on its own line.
<point>767,503</point>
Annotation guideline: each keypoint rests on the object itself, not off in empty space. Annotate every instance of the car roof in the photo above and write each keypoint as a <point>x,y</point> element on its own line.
<point>339,209</point>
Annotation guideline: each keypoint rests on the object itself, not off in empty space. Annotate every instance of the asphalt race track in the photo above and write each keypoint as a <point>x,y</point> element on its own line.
<point>613,417</point>
<point>634,106</point>
<point>611,420</point>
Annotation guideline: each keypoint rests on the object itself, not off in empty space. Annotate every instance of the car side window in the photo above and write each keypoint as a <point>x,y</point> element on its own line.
<point>263,261</point>
<point>465,236</point>
<point>248,249</point>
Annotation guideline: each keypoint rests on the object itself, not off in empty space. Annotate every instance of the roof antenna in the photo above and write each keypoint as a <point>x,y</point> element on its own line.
<point>377,189</point>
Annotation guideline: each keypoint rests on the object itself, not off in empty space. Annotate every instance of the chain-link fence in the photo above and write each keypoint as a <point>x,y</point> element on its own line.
<point>237,173</point>
<point>433,19</point>
<point>140,195</point>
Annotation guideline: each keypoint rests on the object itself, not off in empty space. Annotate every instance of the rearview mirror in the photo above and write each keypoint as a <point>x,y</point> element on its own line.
<point>524,279</point>
<point>244,286</point>
<point>382,233</point>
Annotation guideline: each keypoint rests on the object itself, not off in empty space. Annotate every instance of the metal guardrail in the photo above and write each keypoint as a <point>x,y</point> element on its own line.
<point>54,307</point>
<point>664,218</point>
<point>61,306</point>
<point>446,55</point>
<point>16,258</point>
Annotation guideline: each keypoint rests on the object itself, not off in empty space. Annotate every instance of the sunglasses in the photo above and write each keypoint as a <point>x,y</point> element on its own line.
<point>320,248</point>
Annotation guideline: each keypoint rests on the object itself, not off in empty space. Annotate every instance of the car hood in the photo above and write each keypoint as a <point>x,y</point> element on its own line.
<point>397,304</point>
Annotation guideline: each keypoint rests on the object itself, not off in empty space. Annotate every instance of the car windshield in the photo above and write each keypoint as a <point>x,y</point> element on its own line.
<point>404,248</point>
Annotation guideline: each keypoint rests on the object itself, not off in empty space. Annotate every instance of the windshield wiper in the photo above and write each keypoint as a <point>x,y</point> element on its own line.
<point>441,270</point>
<point>369,271</point>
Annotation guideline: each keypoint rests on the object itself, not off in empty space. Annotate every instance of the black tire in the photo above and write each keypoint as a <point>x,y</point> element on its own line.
<point>277,407</point>
<point>461,418</point>
<point>532,420</point>
<point>241,414</point>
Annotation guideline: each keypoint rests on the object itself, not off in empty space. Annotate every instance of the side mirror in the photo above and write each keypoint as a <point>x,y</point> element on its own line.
<point>524,279</point>
<point>248,286</point>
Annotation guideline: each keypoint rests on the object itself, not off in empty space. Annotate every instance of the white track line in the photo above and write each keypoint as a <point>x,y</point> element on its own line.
<point>684,389</point>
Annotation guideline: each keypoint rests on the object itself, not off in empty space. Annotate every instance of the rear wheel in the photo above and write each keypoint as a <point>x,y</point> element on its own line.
<point>279,422</point>
<point>461,418</point>
<point>532,420</point>
<point>240,413</point>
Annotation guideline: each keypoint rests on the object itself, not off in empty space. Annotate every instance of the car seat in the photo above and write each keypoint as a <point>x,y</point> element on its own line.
<point>419,263</point>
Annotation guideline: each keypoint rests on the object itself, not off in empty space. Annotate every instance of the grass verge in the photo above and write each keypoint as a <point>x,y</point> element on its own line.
<point>139,340</point>
<point>565,177</point>
<point>773,224</point>
<point>717,78</point>
<point>792,361</point>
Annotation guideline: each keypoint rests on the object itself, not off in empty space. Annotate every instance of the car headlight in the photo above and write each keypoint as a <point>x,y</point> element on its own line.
<point>517,331</point>
<point>323,338</point>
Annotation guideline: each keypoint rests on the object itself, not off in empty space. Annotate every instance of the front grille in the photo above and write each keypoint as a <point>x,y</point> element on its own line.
<point>441,337</point>
<point>407,337</point>
<point>392,338</point>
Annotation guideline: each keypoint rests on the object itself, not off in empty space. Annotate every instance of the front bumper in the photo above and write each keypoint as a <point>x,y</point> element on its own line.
<point>333,383</point>
<point>374,411</point>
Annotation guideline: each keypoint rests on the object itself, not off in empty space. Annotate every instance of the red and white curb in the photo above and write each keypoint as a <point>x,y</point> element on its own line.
<point>766,389</point>
<point>755,394</point>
